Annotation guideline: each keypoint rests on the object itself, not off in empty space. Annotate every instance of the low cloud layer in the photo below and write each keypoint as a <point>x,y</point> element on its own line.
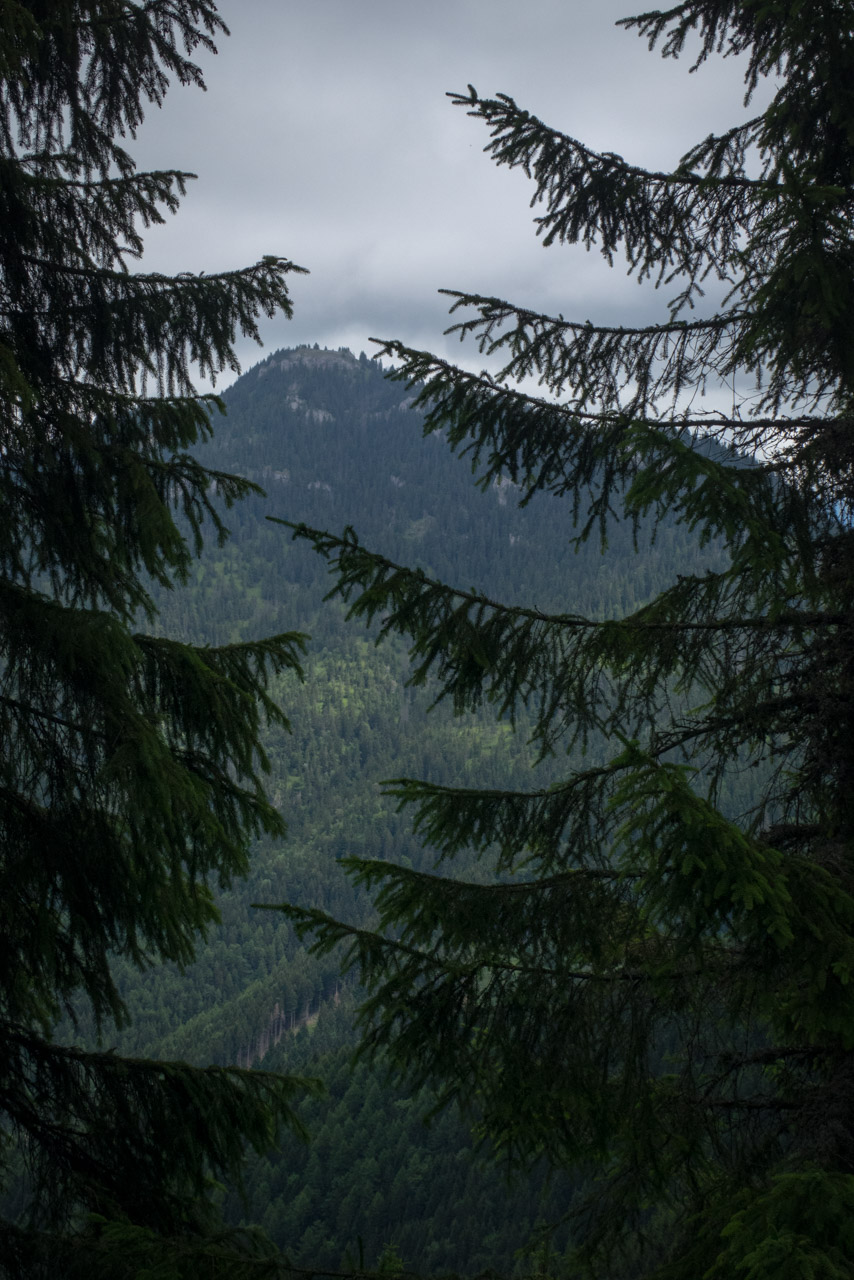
<point>326,136</point>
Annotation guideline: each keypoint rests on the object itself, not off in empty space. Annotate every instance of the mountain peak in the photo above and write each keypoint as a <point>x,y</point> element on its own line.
<point>315,357</point>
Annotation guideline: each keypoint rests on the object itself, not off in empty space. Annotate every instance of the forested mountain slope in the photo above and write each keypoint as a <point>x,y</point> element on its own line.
<point>333,444</point>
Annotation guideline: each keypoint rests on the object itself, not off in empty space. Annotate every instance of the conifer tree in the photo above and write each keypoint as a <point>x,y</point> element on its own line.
<point>657,986</point>
<point>131,764</point>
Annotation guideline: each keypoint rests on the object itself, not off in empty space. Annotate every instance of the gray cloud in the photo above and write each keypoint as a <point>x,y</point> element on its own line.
<point>326,136</point>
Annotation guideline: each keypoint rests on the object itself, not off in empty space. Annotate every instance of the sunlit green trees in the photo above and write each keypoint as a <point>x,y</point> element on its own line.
<point>655,989</point>
<point>131,765</point>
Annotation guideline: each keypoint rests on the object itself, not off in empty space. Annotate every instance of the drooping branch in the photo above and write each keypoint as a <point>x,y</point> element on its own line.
<point>683,224</point>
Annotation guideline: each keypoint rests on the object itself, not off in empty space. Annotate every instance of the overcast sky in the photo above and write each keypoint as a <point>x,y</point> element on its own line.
<point>325,136</point>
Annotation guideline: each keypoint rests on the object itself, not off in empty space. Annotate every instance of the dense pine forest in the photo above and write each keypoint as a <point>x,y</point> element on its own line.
<point>332,442</point>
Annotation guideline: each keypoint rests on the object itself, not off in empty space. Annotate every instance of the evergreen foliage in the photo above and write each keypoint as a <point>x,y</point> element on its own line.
<point>132,764</point>
<point>651,985</point>
<point>329,438</point>
<point>375,1173</point>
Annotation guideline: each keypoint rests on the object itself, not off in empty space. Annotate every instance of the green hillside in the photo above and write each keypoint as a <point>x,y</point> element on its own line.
<point>333,444</point>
